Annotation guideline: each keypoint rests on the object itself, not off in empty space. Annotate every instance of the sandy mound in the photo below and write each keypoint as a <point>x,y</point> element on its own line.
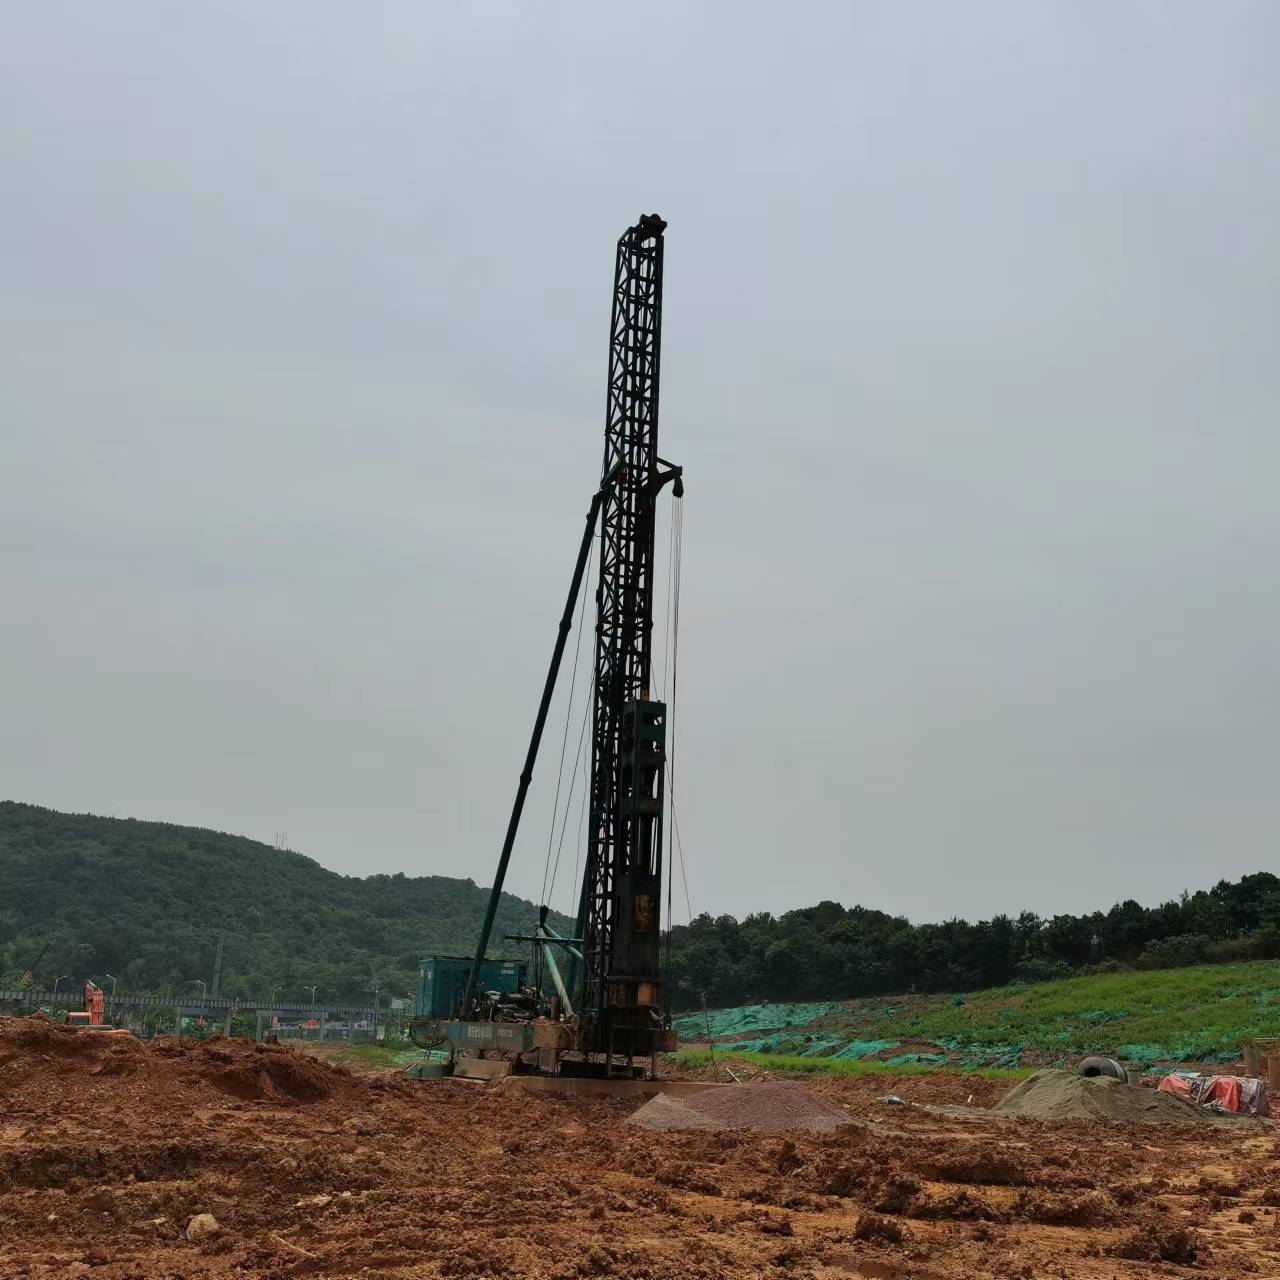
<point>761,1108</point>
<point>1063,1095</point>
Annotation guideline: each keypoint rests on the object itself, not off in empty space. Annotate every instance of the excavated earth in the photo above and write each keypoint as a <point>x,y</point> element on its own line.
<point>109,1148</point>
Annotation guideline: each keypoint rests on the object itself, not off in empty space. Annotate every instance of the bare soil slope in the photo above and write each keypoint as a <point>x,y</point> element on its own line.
<point>108,1149</point>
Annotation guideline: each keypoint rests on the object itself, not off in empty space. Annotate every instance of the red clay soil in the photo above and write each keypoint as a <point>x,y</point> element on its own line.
<point>109,1148</point>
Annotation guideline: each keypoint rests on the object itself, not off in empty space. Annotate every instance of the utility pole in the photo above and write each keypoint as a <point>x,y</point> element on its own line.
<point>217,969</point>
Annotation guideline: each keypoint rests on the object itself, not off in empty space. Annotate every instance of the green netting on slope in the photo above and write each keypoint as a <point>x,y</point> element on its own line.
<point>801,1046</point>
<point>1002,1056</point>
<point>1098,1016</point>
<point>815,1046</point>
<point>1145,1054</point>
<point>985,1055</point>
<point>754,1017</point>
<point>864,1048</point>
<point>765,1044</point>
<point>812,1046</point>
<point>769,1044</point>
<point>918,1059</point>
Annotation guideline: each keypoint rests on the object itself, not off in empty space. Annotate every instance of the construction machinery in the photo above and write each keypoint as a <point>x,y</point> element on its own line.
<point>595,1004</point>
<point>92,1017</point>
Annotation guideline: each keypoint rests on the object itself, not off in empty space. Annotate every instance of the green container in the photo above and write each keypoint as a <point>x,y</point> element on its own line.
<point>441,980</point>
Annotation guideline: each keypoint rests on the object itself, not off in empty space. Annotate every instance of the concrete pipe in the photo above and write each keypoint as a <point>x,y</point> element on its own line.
<point>1097,1066</point>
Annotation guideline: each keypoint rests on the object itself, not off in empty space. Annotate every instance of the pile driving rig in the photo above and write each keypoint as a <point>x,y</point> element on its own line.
<point>596,1003</point>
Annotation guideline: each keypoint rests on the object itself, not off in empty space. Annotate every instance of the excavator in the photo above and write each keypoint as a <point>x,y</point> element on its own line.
<point>92,1016</point>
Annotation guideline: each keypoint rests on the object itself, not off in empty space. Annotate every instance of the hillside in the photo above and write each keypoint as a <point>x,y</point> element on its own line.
<point>1198,1014</point>
<point>147,901</point>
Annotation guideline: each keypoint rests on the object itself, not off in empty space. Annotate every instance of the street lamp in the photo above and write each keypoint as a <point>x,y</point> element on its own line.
<point>313,995</point>
<point>112,976</point>
<point>203,992</point>
<point>272,1001</point>
<point>58,979</point>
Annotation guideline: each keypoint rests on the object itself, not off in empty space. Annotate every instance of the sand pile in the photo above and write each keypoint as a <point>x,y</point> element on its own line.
<point>1063,1095</point>
<point>760,1108</point>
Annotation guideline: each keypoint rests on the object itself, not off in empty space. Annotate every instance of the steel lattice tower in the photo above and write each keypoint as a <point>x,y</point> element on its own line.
<point>621,891</point>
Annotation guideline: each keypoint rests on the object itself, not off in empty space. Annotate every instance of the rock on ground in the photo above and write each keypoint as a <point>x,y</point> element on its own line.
<point>202,1227</point>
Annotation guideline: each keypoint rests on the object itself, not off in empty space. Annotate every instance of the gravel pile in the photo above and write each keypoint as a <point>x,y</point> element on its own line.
<point>761,1108</point>
<point>1063,1095</point>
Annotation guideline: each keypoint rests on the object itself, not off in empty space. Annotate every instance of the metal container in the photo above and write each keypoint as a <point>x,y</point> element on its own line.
<point>441,980</point>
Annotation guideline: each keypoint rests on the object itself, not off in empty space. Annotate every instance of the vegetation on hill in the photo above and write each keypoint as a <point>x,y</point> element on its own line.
<point>1199,1014</point>
<point>833,952</point>
<point>1189,1014</point>
<point>147,902</point>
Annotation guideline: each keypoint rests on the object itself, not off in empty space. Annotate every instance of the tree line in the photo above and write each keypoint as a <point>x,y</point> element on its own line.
<point>833,952</point>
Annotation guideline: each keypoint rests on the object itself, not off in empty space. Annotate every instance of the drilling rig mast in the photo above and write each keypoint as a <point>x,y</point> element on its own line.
<point>608,1007</point>
<point>618,917</point>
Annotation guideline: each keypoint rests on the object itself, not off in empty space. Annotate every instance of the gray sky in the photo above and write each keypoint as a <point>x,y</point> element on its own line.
<point>971,319</point>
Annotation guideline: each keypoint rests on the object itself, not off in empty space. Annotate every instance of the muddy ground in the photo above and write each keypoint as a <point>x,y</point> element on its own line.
<point>109,1148</point>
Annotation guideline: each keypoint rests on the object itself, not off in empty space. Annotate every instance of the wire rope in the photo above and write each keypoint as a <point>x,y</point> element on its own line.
<point>673,608</point>
<point>564,742</point>
<point>568,804</point>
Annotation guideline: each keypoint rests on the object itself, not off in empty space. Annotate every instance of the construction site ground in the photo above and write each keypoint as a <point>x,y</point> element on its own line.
<point>110,1147</point>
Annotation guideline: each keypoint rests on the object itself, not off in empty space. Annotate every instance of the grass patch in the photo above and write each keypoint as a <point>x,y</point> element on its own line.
<point>366,1054</point>
<point>783,1062</point>
<point>1195,1011</point>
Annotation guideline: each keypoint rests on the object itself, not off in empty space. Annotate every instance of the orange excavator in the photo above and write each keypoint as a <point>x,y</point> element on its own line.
<point>91,1017</point>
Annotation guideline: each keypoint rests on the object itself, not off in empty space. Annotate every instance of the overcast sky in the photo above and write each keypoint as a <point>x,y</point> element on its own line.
<point>970,356</point>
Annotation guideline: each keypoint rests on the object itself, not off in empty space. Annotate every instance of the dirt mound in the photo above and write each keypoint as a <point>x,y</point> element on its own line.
<point>1063,1095</point>
<point>101,1174</point>
<point>33,1051</point>
<point>760,1108</point>
<point>37,1035</point>
<point>262,1071</point>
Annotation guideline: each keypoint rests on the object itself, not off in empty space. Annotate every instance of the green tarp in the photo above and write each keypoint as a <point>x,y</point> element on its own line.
<point>752,1017</point>
<point>864,1048</point>
<point>809,1046</point>
<point>1145,1054</point>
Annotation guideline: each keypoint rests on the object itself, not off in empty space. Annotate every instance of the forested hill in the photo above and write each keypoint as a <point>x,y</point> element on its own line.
<point>147,902</point>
